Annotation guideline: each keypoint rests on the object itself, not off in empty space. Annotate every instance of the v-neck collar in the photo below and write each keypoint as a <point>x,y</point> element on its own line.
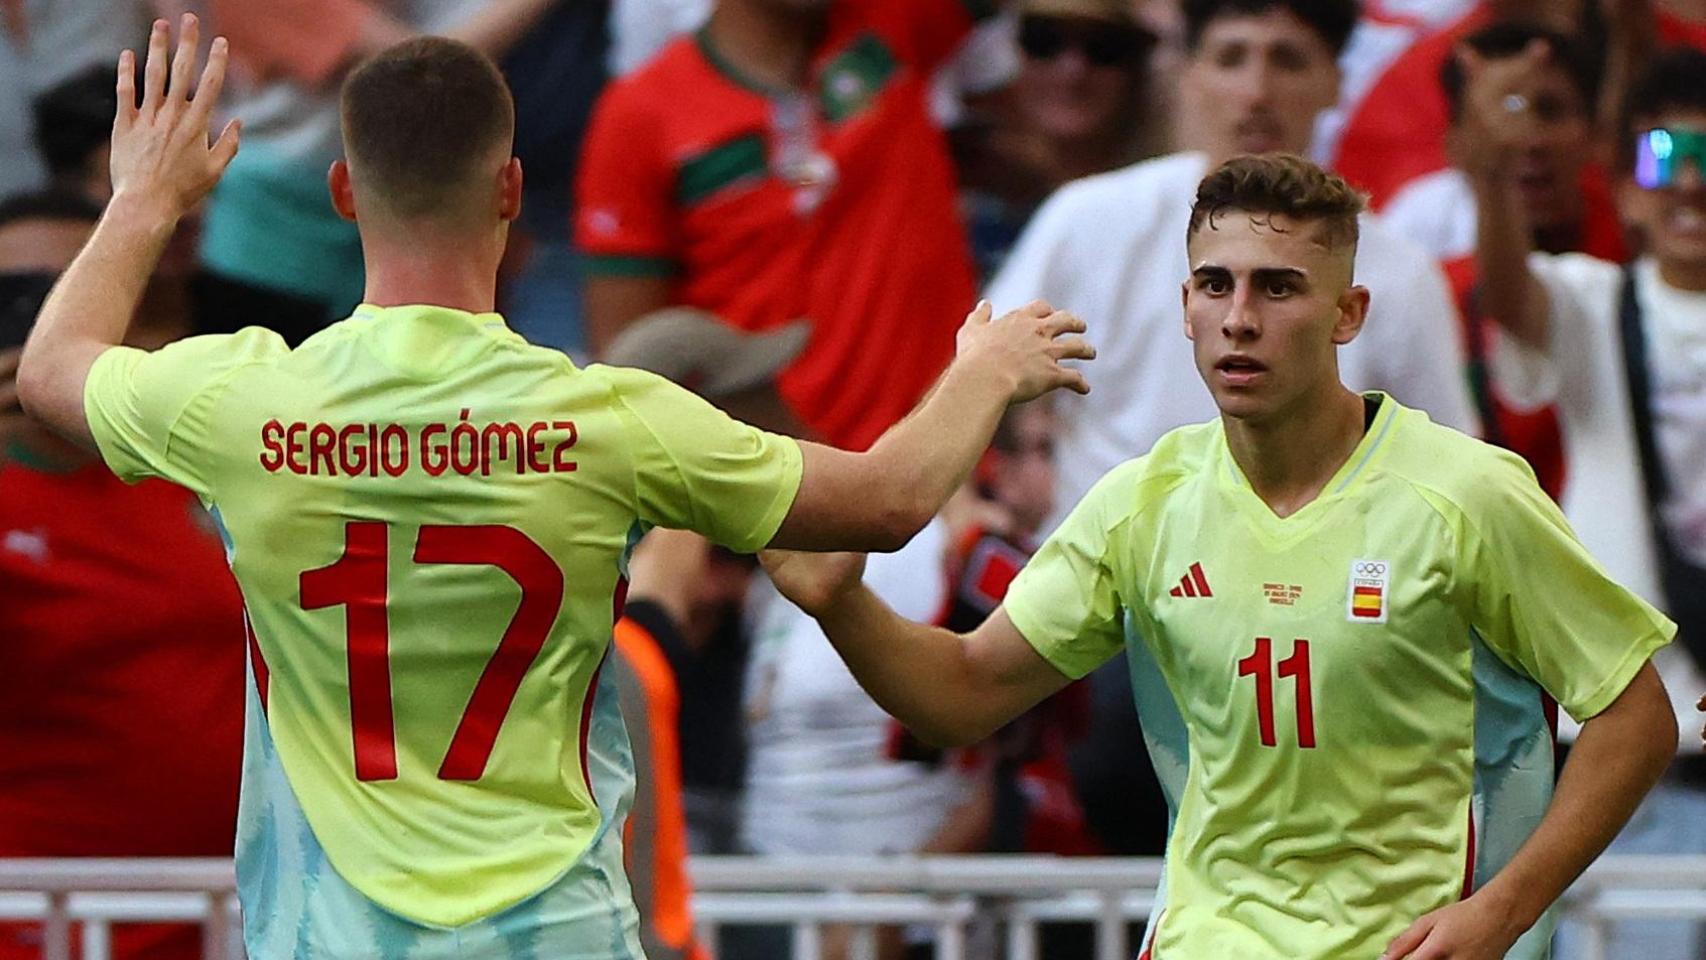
<point>1353,469</point>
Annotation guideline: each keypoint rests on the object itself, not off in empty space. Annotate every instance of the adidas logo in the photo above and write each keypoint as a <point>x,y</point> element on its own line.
<point>1192,584</point>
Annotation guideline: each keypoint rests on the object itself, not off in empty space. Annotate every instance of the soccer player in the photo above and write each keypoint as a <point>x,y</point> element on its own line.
<point>1343,622</point>
<point>428,519</point>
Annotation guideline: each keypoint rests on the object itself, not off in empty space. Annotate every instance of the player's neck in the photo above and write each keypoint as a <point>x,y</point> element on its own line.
<point>766,44</point>
<point>442,274</point>
<point>1289,457</point>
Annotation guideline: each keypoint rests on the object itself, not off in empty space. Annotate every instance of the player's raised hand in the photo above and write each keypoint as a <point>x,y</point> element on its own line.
<point>814,582</point>
<point>1472,929</point>
<point>160,148</point>
<point>1026,345</point>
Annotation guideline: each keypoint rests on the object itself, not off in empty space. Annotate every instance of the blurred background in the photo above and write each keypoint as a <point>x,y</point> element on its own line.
<point>789,206</point>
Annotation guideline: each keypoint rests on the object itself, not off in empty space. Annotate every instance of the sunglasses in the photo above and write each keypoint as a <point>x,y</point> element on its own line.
<point>1102,44</point>
<point>1661,152</point>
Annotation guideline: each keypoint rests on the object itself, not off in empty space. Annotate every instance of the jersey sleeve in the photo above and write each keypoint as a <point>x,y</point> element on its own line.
<point>1542,603</point>
<point>1066,601</point>
<point>626,216</point>
<point>151,412</point>
<point>696,468</point>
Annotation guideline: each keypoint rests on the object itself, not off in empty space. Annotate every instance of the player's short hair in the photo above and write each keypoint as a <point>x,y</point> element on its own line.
<point>1509,38</point>
<point>1674,81</point>
<point>1332,19</point>
<point>1282,184</point>
<point>419,118</point>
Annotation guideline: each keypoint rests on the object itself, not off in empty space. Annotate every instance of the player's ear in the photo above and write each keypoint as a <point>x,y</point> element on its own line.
<point>509,189</point>
<point>1353,313</point>
<point>343,195</point>
<point>1185,309</point>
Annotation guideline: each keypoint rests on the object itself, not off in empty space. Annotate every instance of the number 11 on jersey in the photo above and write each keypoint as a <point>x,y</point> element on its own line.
<point>1260,665</point>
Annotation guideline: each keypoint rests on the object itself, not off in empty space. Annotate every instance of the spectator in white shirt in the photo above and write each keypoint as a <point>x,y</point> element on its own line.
<point>1107,247</point>
<point>1622,352</point>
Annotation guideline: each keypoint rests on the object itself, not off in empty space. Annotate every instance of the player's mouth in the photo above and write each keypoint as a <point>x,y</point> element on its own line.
<point>1239,370</point>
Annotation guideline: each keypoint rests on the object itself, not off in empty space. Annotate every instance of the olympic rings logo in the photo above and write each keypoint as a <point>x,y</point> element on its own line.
<point>1368,568</point>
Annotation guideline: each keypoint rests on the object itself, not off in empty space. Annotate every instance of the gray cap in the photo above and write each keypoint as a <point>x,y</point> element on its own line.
<point>702,353</point>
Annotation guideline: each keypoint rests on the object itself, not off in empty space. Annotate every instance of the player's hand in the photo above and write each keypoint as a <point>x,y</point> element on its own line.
<point>1026,345</point>
<point>814,582</point>
<point>1498,116</point>
<point>160,150</point>
<point>1472,929</point>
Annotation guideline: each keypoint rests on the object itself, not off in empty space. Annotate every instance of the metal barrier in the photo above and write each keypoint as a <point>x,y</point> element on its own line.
<point>970,903</point>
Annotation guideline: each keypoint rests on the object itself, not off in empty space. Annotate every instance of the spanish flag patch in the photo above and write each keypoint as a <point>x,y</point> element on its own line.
<point>1366,600</point>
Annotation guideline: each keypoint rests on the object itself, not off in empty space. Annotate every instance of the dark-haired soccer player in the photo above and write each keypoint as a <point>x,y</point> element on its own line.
<point>429,519</point>
<point>1342,621</point>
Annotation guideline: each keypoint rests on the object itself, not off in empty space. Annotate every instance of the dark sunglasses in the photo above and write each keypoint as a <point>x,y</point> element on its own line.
<point>1102,44</point>
<point>1661,152</point>
<point>21,297</point>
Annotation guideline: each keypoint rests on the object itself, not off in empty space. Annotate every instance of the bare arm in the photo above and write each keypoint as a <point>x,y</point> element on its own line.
<point>162,166</point>
<point>612,303</point>
<point>1496,120</point>
<point>950,689</point>
<point>1619,756</point>
<point>879,499</point>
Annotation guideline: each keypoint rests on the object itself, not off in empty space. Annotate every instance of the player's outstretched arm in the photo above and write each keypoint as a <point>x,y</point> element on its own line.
<point>950,689</point>
<point>1498,119</point>
<point>1620,754</point>
<point>879,499</point>
<point>162,167</point>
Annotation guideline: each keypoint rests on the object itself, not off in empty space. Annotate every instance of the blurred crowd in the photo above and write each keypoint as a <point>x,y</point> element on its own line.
<point>789,206</point>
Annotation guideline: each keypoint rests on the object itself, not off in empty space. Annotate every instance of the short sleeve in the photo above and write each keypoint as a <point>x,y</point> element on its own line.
<point>1542,603</point>
<point>696,468</point>
<point>150,412</point>
<point>1066,601</point>
<point>625,220</point>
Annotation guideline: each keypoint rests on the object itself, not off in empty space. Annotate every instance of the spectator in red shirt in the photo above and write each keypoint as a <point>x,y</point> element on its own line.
<point>1398,131</point>
<point>1568,200</point>
<point>121,674</point>
<point>782,164</point>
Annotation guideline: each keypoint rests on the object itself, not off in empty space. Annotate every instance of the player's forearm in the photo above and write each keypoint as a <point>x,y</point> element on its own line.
<point>922,460</point>
<point>89,310</point>
<point>921,675</point>
<point>1510,294</point>
<point>1620,754</point>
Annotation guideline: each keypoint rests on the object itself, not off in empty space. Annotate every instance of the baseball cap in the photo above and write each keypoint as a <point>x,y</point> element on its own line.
<point>702,353</point>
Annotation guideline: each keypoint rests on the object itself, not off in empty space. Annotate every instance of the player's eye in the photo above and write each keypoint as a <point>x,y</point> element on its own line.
<point>1279,288</point>
<point>1215,286</point>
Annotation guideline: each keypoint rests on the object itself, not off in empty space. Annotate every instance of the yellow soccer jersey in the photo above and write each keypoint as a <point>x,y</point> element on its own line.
<point>1348,707</point>
<point>429,520</point>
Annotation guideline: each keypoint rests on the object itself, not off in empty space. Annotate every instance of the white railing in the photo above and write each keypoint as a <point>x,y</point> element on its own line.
<point>963,900</point>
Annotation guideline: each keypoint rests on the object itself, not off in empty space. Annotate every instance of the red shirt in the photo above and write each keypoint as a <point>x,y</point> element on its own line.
<point>837,205</point>
<point>121,680</point>
<point>1398,131</point>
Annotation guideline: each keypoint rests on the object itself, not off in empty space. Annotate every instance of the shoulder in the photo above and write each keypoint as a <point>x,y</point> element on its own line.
<point>1138,486</point>
<point>1435,210</point>
<point>648,89</point>
<point>1582,275</point>
<point>1461,477</point>
<point>1150,184</point>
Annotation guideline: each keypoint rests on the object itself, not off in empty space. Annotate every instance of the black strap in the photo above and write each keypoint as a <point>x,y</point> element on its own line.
<point>1683,582</point>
